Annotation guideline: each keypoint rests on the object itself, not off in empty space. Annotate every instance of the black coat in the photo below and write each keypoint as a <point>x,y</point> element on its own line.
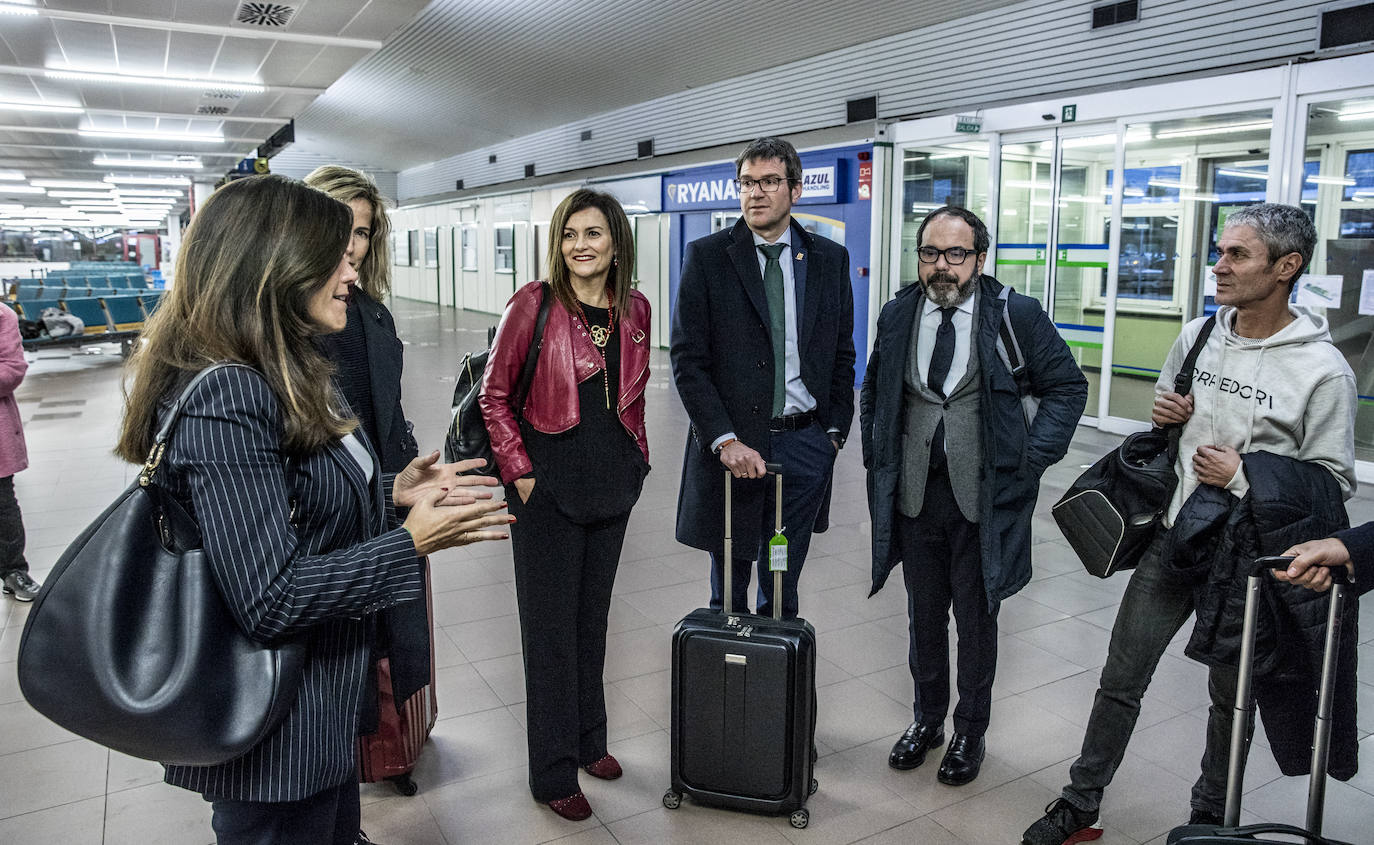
<point>1014,455</point>
<point>1214,541</point>
<point>404,632</point>
<point>722,358</point>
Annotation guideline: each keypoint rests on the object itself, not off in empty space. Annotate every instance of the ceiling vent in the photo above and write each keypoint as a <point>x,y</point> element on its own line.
<point>1347,27</point>
<point>205,109</point>
<point>1115,13</point>
<point>645,149</point>
<point>270,15</point>
<point>221,94</point>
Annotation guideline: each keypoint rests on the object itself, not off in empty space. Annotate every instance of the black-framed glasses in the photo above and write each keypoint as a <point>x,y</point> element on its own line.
<point>768,184</point>
<point>955,255</point>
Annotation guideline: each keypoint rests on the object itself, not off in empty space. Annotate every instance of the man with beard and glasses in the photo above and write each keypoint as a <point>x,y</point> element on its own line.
<point>954,469</point>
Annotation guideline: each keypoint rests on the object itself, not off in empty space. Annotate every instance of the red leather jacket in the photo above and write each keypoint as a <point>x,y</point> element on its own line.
<point>567,358</point>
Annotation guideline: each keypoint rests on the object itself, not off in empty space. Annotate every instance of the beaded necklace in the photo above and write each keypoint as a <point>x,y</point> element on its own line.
<point>600,337</point>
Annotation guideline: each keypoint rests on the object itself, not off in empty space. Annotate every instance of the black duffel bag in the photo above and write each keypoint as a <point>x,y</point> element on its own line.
<point>1110,513</point>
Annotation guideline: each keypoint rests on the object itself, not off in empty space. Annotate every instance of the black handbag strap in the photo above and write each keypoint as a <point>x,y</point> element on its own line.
<point>145,477</point>
<point>522,388</point>
<point>1183,381</point>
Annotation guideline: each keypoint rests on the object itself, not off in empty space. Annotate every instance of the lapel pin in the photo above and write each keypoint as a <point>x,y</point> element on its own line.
<point>637,336</point>
<point>800,256</point>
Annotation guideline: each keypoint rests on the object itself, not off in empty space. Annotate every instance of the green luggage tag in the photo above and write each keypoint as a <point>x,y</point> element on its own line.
<point>777,552</point>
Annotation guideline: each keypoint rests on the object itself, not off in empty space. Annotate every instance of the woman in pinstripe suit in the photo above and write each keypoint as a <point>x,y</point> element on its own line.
<point>289,496</point>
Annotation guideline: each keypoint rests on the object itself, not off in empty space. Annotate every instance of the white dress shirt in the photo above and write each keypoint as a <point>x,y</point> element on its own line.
<point>963,337</point>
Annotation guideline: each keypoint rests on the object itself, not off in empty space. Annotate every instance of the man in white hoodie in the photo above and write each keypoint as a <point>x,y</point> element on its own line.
<point>1268,379</point>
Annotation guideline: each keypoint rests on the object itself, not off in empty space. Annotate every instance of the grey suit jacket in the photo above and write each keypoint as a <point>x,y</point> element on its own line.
<point>317,575</point>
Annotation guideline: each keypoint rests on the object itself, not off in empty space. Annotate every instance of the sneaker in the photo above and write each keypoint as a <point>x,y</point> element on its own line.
<point>1063,824</point>
<point>20,585</point>
<point>1207,817</point>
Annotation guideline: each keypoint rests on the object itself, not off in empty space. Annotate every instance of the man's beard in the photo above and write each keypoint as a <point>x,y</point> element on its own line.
<point>946,296</point>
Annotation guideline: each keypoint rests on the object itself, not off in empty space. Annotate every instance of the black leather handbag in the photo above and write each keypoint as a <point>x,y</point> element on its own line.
<point>467,436</point>
<point>1111,512</point>
<point>130,644</point>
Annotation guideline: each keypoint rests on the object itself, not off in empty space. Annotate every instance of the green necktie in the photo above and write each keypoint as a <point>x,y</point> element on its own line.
<point>777,321</point>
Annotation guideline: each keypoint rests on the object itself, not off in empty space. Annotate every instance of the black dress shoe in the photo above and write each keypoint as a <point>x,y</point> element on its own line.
<point>963,759</point>
<point>910,750</point>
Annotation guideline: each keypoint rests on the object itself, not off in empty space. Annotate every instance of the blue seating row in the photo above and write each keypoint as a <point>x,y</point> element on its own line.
<point>107,318</point>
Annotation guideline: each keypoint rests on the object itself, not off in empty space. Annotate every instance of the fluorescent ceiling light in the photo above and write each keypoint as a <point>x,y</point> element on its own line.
<point>147,79</point>
<point>21,189</point>
<point>81,195</point>
<point>11,176</point>
<point>1243,174</point>
<point>149,192</point>
<point>109,203</point>
<point>70,183</point>
<point>148,180</point>
<point>190,137</point>
<point>159,163</point>
<point>1330,180</point>
<point>1202,197</point>
<point>42,108</point>
<point>1213,130</point>
<point>1362,113</point>
<point>17,9</point>
<point>1166,183</point>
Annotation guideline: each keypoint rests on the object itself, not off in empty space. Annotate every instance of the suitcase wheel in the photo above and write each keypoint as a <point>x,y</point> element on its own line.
<point>672,800</point>
<point>404,784</point>
<point>800,818</point>
<point>815,785</point>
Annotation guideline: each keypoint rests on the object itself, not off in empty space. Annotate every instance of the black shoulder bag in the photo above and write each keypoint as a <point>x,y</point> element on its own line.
<point>129,643</point>
<point>1115,507</point>
<point>467,432</point>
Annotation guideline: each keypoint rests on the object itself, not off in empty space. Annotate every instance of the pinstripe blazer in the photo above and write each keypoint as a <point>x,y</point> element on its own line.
<point>317,574</point>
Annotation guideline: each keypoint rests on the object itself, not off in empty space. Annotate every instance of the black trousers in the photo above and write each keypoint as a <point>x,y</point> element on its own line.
<point>330,817</point>
<point>11,530</point>
<point>564,572</point>
<point>942,565</point>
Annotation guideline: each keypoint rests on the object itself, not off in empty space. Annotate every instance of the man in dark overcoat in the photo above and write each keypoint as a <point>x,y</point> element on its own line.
<point>954,453</point>
<point>763,359</point>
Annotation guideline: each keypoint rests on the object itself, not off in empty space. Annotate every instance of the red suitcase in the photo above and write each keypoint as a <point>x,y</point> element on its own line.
<point>391,752</point>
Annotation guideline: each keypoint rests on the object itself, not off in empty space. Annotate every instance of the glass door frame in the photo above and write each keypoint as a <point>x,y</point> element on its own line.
<point>1283,115</point>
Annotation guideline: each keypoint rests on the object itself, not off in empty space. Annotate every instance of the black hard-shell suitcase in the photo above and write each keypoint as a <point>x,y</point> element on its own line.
<point>1230,833</point>
<point>744,704</point>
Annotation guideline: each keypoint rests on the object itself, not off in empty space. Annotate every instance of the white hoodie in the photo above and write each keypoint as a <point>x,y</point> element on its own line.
<point>1291,394</point>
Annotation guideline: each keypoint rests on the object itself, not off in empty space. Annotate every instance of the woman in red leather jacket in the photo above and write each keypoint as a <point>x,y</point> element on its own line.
<point>573,461</point>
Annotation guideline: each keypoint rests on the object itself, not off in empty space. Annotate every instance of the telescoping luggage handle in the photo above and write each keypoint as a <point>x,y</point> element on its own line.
<point>729,563</point>
<point>1244,706</point>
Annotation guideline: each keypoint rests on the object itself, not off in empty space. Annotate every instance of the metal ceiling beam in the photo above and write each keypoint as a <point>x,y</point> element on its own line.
<point>189,116</point>
<point>210,29</point>
<point>103,150</point>
<point>64,131</point>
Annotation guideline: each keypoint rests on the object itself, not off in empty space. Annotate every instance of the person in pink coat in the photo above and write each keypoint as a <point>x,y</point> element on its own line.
<point>14,569</point>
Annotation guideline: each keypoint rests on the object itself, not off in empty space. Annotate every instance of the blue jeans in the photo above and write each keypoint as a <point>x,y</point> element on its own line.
<point>1153,608</point>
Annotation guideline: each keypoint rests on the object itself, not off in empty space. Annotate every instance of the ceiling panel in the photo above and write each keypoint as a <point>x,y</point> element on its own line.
<point>236,58</point>
<point>83,45</point>
<point>141,50</point>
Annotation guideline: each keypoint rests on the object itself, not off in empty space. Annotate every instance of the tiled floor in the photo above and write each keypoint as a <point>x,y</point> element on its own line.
<point>57,788</point>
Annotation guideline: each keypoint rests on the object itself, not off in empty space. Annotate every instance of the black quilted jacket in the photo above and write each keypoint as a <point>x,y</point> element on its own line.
<point>1213,543</point>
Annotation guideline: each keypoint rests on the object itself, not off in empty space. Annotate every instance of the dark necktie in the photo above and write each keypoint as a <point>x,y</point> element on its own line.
<point>940,359</point>
<point>777,321</point>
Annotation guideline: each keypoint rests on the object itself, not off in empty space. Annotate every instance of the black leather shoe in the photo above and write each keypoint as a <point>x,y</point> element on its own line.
<point>963,759</point>
<point>910,750</point>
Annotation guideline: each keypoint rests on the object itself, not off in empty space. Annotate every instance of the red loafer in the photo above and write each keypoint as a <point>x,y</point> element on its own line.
<point>573,808</point>
<point>607,768</point>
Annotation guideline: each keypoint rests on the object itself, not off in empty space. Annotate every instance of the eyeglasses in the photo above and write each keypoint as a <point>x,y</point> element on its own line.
<point>955,255</point>
<point>768,184</point>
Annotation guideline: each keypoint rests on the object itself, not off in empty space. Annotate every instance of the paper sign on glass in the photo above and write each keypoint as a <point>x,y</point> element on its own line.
<point>1320,291</point>
<point>1209,283</point>
<point>1367,293</point>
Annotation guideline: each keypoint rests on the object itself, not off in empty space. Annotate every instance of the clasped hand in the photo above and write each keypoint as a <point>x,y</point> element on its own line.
<point>448,509</point>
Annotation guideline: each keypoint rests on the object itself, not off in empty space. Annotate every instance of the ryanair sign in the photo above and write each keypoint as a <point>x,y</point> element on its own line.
<point>689,191</point>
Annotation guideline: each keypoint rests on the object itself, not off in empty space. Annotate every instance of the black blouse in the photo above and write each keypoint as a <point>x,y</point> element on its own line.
<point>594,470</point>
